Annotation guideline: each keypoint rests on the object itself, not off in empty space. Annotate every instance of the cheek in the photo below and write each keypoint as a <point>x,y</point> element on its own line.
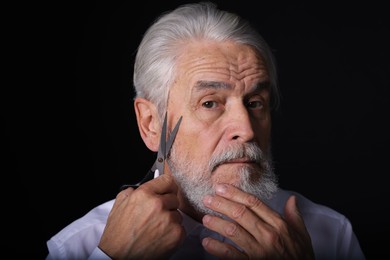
<point>195,146</point>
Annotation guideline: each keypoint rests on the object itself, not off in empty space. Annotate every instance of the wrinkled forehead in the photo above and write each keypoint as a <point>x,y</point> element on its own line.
<point>220,62</point>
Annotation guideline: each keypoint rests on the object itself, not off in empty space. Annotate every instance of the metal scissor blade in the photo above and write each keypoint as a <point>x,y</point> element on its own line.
<point>172,136</point>
<point>162,154</point>
<point>149,176</point>
<point>161,150</point>
<point>165,146</point>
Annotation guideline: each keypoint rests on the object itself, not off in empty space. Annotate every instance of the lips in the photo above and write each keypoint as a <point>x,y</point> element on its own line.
<point>243,160</point>
<point>240,160</point>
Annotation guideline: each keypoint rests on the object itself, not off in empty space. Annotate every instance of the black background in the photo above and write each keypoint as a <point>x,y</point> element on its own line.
<point>70,134</point>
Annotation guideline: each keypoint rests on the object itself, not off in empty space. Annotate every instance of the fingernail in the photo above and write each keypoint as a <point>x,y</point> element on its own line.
<point>221,188</point>
<point>205,241</point>
<point>206,219</point>
<point>207,200</point>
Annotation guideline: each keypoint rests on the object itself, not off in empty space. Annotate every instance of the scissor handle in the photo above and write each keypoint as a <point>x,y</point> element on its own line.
<point>149,176</point>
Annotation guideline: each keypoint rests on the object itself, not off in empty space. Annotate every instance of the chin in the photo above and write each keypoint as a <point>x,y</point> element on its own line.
<point>232,173</point>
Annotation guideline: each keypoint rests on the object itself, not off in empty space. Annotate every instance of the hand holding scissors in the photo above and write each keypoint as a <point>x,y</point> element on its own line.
<point>145,223</point>
<point>163,152</point>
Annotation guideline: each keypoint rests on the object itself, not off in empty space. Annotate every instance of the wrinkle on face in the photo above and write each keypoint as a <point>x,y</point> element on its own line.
<point>213,85</point>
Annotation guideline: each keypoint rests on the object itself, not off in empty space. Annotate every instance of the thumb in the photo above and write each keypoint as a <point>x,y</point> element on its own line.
<point>293,215</point>
<point>161,184</point>
<point>294,218</point>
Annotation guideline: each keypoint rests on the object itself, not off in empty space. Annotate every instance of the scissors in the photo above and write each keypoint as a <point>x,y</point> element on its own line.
<point>163,152</point>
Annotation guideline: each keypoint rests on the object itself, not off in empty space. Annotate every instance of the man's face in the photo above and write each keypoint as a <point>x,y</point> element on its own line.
<point>222,92</point>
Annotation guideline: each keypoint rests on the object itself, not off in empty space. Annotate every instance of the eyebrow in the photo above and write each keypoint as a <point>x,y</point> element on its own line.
<point>202,85</point>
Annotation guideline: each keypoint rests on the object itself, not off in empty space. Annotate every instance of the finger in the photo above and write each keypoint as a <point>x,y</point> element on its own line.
<point>122,195</point>
<point>257,220</point>
<point>121,200</point>
<point>164,201</point>
<point>252,202</point>
<point>233,230</point>
<point>162,184</point>
<point>246,227</point>
<point>301,239</point>
<point>293,215</point>
<point>221,250</point>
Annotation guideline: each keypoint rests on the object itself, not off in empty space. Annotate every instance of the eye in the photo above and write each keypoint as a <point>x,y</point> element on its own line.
<point>209,104</point>
<point>256,104</point>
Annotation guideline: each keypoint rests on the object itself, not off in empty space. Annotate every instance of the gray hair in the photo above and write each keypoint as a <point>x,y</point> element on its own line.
<point>154,68</point>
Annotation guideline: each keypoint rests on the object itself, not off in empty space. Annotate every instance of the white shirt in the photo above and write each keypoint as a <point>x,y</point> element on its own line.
<point>331,233</point>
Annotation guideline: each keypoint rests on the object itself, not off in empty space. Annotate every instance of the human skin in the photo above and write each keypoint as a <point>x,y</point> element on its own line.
<point>216,117</point>
<point>221,91</point>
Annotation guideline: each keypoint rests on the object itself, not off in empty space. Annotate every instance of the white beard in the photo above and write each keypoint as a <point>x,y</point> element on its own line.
<point>195,180</point>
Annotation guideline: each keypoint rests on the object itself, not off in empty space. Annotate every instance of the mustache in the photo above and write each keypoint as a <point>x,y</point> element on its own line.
<point>250,151</point>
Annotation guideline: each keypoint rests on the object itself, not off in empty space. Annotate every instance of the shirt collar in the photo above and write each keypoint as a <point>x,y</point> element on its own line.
<point>190,225</point>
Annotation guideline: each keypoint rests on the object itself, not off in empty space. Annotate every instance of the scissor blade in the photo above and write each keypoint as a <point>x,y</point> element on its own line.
<point>172,137</point>
<point>163,140</point>
<point>149,176</point>
<point>159,163</point>
<point>161,155</point>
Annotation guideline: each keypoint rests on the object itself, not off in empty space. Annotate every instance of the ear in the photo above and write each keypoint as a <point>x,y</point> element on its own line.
<point>148,123</point>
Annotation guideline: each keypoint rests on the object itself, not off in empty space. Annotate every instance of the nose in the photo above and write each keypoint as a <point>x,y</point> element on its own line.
<point>240,127</point>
